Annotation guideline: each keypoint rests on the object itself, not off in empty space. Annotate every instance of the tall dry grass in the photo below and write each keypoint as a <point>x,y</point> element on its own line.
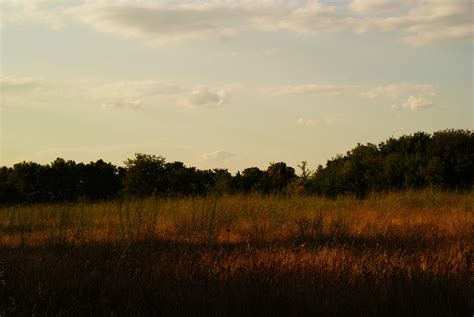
<point>406,253</point>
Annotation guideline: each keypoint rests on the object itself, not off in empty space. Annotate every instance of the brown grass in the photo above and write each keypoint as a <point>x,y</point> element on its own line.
<point>396,254</point>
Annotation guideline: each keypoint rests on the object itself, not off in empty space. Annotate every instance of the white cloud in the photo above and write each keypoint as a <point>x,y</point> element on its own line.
<point>218,156</point>
<point>131,94</point>
<point>414,103</point>
<point>417,22</point>
<point>302,121</point>
<point>325,120</point>
<point>135,94</point>
<point>203,96</point>
<point>33,91</point>
<point>416,96</point>
<point>308,89</point>
<point>395,91</point>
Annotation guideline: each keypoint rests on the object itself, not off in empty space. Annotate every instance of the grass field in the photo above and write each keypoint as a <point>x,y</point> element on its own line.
<point>407,253</point>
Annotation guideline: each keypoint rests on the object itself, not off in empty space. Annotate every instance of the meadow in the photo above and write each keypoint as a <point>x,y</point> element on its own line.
<point>397,254</point>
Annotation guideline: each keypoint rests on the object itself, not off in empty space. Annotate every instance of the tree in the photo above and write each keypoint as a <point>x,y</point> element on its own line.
<point>452,159</point>
<point>99,180</point>
<point>146,175</point>
<point>30,181</point>
<point>305,172</point>
<point>63,180</point>
<point>222,181</point>
<point>278,177</point>
<point>252,179</point>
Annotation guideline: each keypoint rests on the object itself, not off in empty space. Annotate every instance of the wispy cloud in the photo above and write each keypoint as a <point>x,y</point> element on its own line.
<point>422,22</point>
<point>23,91</point>
<point>19,12</point>
<point>308,89</point>
<point>418,23</point>
<point>395,91</point>
<point>131,94</point>
<point>364,7</point>
<point>416,96</point>
<point>303,121</point>
<point>136,94</point>
<point>134,105</point>
<point>204,97</point>
<point>20,83</point>
<point>414,103</point>
<point>217,156</point>
<point>325,120</point>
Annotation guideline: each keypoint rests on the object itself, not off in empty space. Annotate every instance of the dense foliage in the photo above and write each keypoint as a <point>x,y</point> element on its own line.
<point>444,159</point>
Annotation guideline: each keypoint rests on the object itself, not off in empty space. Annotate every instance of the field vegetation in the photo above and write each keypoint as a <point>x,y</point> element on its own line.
<point>402,253</point>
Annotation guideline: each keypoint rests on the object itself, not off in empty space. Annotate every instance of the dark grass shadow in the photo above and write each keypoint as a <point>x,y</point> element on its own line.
<point>155,277</point>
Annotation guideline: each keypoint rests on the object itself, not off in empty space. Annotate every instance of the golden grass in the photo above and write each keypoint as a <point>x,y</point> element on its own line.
<point>406,253</point>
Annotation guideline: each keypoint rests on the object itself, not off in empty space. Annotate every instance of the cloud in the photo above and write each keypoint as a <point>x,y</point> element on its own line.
<point>414,103</point>
<point>19,83</point>
<point>449,33</point>
<point>218,156</point>
<point>424,23</point>
<point>34,91</point>
<point>134,105</point>
<point>135,94</point>
<point>18,91</point>
<point>166,20</point>
<point>326,120</point>
<point>204,97</point>
<point>395,91</point>
<point>131,94</point>
<point>415,22</point>
<point>302,121</point>
<point>417,96</point>
<point>308,89</point>
<point>376,6</point>
<point>20,12</point>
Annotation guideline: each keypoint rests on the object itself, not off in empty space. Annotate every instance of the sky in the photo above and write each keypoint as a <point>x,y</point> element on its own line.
<point>228,84</point>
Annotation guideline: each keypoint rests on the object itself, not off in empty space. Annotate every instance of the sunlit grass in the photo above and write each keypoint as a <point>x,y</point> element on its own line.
<point>249,219</point>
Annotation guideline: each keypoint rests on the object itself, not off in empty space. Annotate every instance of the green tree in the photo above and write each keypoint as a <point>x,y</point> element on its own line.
<point>145,175</point>
<point>252,179</point>
<point>278,176</point>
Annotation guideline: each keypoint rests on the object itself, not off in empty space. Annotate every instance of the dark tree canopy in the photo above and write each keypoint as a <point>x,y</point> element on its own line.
<point>444,160</point>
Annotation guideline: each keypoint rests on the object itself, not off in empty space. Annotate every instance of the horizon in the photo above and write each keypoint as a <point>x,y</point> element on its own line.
<point>219,84</point>
<point>233,172</point>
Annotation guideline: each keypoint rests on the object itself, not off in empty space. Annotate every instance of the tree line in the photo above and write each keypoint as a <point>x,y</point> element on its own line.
<point>444,160</point>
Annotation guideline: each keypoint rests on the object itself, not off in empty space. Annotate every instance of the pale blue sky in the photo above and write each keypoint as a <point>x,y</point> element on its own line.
<point>229,83</point>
